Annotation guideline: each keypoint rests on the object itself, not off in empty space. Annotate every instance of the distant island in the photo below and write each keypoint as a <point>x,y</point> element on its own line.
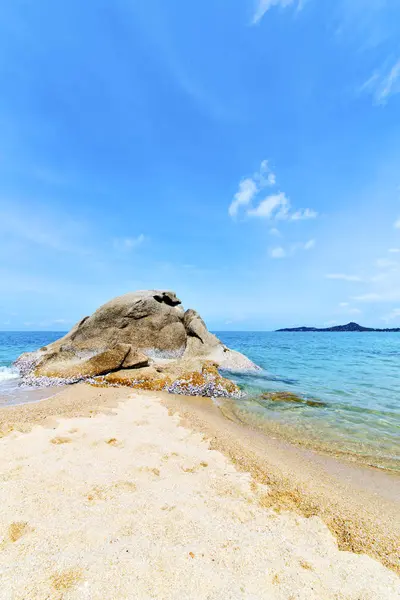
<point>349,327</point>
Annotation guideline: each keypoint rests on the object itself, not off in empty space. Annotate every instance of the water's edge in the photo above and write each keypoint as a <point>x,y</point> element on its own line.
<point>346,384</point>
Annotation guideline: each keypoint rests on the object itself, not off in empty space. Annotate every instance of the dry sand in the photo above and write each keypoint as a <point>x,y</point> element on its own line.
<point>124,502</point>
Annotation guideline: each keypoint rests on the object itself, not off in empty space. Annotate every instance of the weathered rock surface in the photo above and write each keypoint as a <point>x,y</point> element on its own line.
<point>68,365</point>
<point>140,336</point>
<point>189,378</point>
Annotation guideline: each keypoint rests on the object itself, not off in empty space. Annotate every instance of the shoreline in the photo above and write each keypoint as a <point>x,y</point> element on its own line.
<point>267,427</point>
<point>295,437</point>
<point>359,504</point>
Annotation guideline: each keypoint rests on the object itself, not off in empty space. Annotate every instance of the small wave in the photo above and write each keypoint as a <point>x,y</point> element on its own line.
<point>7,373</point>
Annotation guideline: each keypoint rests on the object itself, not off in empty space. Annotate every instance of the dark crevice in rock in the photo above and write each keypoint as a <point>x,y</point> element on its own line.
<point>192,333</point>
<point>82,322</point>
<point>136,317</point>
<point>166,299</point>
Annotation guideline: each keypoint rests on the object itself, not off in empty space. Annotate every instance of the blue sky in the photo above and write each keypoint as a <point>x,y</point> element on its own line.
<point>245,154</point>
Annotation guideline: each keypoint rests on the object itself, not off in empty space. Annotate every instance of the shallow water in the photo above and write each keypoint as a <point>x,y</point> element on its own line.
<point>12,344</point>
<point>356,376</point>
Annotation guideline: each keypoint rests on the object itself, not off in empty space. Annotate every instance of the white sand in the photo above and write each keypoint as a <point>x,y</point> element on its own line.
<point>154,513</point>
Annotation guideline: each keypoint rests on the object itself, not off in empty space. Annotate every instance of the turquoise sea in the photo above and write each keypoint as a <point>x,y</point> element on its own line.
<point>354,377</point>
<point>12,344</point>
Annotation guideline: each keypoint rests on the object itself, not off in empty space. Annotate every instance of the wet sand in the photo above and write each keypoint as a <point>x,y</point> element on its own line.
<point>360,505</point>
<point>16,395</point>
<point>106,495</point>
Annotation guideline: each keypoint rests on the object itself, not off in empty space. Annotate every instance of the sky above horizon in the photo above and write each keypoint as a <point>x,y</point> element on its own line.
<point>244,154</point>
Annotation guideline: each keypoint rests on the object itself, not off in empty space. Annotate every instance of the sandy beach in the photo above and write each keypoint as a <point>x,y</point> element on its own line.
<point>110,493</point>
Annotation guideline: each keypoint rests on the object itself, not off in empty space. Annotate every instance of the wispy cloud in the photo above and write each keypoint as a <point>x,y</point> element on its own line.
<point>383,83</point>
<point>263,6</point>
<point>308,245</point>
<point>394,250</point>
<point>274,231</point>
<point>278,206</point>
<point>246,192</point>
<point>274,206</point>
<point>251,186</point>
<point>343,277</point>
<point>265,176</point>
<point>303,214</point>
<point>396,224</point>
<point>278,252</point>
<point>129,243</point>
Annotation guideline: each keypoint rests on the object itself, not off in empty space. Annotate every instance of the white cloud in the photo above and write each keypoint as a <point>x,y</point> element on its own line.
<point>251,186</point>
<point>278,252</point>
<point>383,84</point>
<point>397,224</point>
<point>302,246</point>
<point>394,250</point>
<point>304,213</point>
<point>247,190</point>
<point>265,176</point>
<point>343,304</point>
<point>263,6</point>
<point>343,277</point>
<point>275,205</point>
<point>388,84</point>
<point>310,244</point>
<point>274,231</point>
<point>126,244</point>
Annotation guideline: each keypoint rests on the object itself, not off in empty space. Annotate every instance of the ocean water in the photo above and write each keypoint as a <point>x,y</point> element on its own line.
<point>351,379</point>
<point>354,378</point>
<point>12,344</point>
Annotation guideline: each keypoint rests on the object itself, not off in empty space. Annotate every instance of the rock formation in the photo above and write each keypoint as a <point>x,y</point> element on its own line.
<point>144,339</point>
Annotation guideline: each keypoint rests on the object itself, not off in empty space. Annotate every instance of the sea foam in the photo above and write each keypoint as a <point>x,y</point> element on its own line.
<point>7,373</point>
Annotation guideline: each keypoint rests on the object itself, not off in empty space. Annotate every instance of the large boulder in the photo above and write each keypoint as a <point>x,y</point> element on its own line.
<point>139,330</point>
<point>69,366</point>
